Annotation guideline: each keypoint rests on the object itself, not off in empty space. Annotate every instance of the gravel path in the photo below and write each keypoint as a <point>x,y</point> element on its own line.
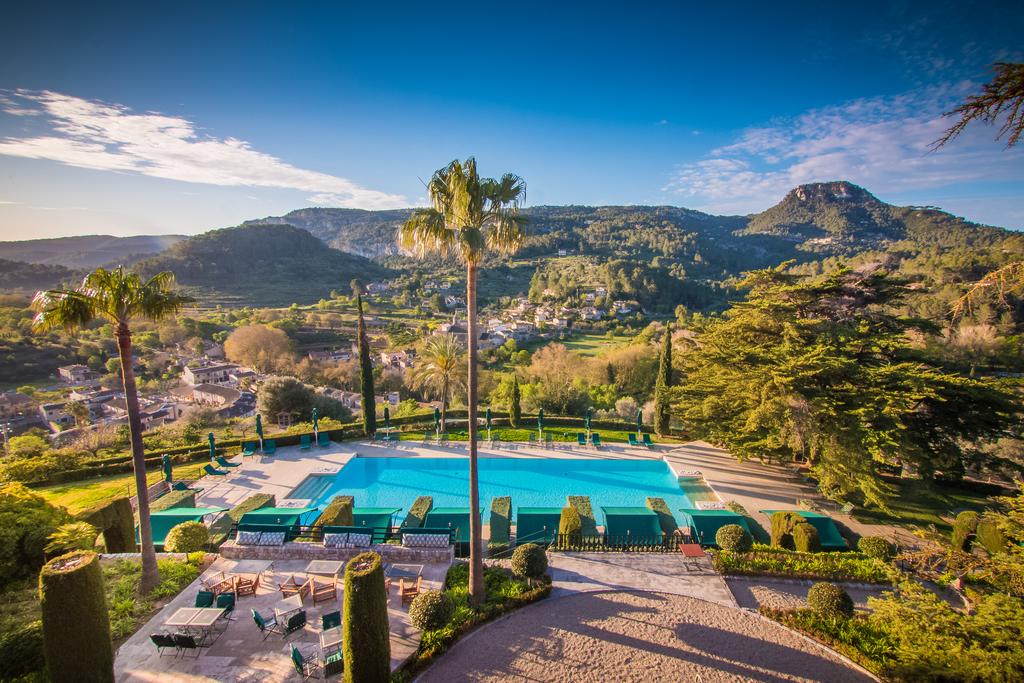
<point>619,636</point>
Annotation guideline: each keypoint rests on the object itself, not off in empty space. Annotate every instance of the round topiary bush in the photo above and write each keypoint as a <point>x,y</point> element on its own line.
<point>570,527</point>
<point>187,537</point>
<point>805,538</point>
<point>365,635</point>
<point>76,627</point>
<point>782,529</point>
<point>964,526</point>
<point>991,536</point>
<point>530,560</point>
<point>876,547</point>
<point>734,538</point>
<point>431,610</point>
<point>830,600</point>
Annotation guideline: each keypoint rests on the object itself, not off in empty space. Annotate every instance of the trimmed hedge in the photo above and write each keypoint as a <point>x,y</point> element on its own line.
<point>875,547</point>
<point>20,650</point>
<point>501,519</point>
<point>990,535</point>
<point>530,560</point>
<point>829,600</point>
<point>187,537</point>
<point>431,610</point>
<point>116,521</point>
<point>570,526</point>
<point>734,538</point>
<point>418,512</point>
<point>782,529</point>
<point>337,513</point>
<point>76,627</point>
<point>221,528</point>
<point>805,538</point>
<point>174,499</point>
<point>582,505</point>
<point>665,518</point>
<point>964,527</point>
<point>365,635</point>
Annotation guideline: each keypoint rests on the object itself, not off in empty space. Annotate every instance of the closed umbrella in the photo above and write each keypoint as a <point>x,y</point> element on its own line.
<point>487,417</point>
<point>213,446</point>
<point>587,419</point>
<point>437,420</point>
<point>639,424</point>
<point>316,424</point>
<point>540,424</point>
<point>387,418</point>
<point>259,429</point>
<point>165,464</point>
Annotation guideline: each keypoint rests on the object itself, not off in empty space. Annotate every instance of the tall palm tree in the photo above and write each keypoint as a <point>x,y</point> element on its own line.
<point>470,215</point>
<point>118,297</point>
<point>437,370</point>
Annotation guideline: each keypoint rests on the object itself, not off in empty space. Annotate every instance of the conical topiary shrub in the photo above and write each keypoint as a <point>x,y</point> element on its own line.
<point>76,626</point>
<point>366,638</point>
<point>570,527</point>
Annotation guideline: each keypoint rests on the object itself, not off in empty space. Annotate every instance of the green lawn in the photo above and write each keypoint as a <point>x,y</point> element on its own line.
<point>595,344</point>
<point>81,495</point>
<point>916,504</point>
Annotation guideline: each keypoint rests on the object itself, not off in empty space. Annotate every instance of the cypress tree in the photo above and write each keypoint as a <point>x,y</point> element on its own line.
<point>515,413</point>
<point>365,368</point>
<point>662,403</point>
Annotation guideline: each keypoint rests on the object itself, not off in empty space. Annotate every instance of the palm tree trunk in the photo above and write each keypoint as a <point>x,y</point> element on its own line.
<point>444,405</point>
<point>477,589</point>
<point>150,573</point>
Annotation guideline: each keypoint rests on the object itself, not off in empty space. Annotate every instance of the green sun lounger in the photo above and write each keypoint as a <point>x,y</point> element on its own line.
<point>595,439</point>
<point>632,440</point>
<point>224,463</point>
<point>581,438</point>
<point>213,471</point>
<point>647,441</point>
<point>249,448</point>
<point>305,443</point>
<point>269,447</point>
<point>323,439</point>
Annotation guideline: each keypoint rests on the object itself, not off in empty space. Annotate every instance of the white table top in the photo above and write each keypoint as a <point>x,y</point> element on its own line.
<point>252,567</point>
<point>207,617</point>
<point>183,617</point>
<point>330,638</point>
<point>289,604</point>
<point>324,567</point>
<point>404,571</point>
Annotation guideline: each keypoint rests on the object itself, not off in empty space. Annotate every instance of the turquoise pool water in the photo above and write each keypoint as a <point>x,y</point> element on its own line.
<point>532,482</point>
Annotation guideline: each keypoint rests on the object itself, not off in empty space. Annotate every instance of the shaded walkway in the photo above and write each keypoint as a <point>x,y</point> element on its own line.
<point>619,636</point>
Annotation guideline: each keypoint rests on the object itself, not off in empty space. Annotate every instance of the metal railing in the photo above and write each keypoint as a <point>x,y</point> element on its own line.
<point>315,534</point>
<point>620,543</point>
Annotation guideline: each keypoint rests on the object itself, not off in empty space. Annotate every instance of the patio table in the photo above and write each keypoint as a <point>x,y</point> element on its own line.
<point>324,567</point>
<point>330,639</point>
<point>404,571</point>
<point>206,617</point>
<point>252,567</point>
<point>293,603</point>
<point>183,617</point>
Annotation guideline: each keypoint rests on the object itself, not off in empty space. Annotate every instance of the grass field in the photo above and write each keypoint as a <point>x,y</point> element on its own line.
<point>916,504</point>
<point>81,495</point>
<point>594,344</point>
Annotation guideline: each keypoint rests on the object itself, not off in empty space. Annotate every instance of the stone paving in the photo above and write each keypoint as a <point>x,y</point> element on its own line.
<point>240,653</point>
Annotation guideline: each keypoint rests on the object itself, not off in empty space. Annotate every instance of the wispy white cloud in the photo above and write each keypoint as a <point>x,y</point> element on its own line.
<point>6,202</point>
<point>110,137</point>
<point>880,143</point>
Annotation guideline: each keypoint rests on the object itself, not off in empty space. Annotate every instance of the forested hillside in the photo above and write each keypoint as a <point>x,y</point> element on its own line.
<point>19,276</point>
<point>88,251</point>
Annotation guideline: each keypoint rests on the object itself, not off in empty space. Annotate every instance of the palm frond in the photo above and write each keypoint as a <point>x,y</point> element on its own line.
<point>426,233</point>
<point>59,308</point>
<point>506,233</point>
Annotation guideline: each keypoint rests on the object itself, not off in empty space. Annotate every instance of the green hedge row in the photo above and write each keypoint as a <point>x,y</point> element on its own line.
<point>116,521</point>
<point>501,519</point>
<point>174,499</point>
<point>418,512</point>
<point>665,518</point>
<point>220,529</point>
<point>337,513</point>
<point>582,506</point>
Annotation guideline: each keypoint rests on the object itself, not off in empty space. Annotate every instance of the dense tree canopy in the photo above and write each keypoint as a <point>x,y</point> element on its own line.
<point>821,369</point>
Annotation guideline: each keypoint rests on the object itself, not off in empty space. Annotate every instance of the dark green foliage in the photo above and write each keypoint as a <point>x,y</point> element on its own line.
<point>570,526</point>
<point>805,538</point>
<point>431,610</point>
<point>734,538</point>
<point>876,547</point>
<point>765,560</point>
<point>220,529</point>
<point>515,411</point>
<point>990,535</point>
<point>21,650</point>
<point>298,399</point>
<point>337,513</point>
<point>187,537</point>
<point>26,520</point>
<point>116,521</point>
<point>15,275</point>
<point>586,512</point>
<point>368,400</point>
<point>76,628</point>
<point>418,512</point>
<point>663,386</point>
<point>964,527</point>
<point>782,529</point>
<point>828,599</point>
<point>665,518</point>
<point>366,637</point>
<point>501,519</point>
<point>174,499</point>
<point>261,264</point>
<point>530,560</point>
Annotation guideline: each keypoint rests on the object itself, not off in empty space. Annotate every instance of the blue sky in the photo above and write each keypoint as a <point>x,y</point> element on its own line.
<point>183,117</point>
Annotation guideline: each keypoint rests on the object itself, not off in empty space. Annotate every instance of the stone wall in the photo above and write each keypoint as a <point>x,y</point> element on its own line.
<point>316,551</point>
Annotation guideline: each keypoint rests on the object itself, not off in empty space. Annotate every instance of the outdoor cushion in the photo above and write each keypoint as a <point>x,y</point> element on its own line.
<point>359,540</point>
<point>335,540</point>
<point>248,538</point>
<point>272,538</point>
<point>425,540</point>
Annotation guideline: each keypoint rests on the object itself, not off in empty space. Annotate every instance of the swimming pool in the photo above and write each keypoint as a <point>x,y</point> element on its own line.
<point>532,482</point>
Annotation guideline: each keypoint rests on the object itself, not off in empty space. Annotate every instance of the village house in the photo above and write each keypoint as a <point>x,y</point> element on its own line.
<point>214,395</point>
<point>219,373</point>
<point>54,415</point>
<point>590,313</point>
<point>75,374</point>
